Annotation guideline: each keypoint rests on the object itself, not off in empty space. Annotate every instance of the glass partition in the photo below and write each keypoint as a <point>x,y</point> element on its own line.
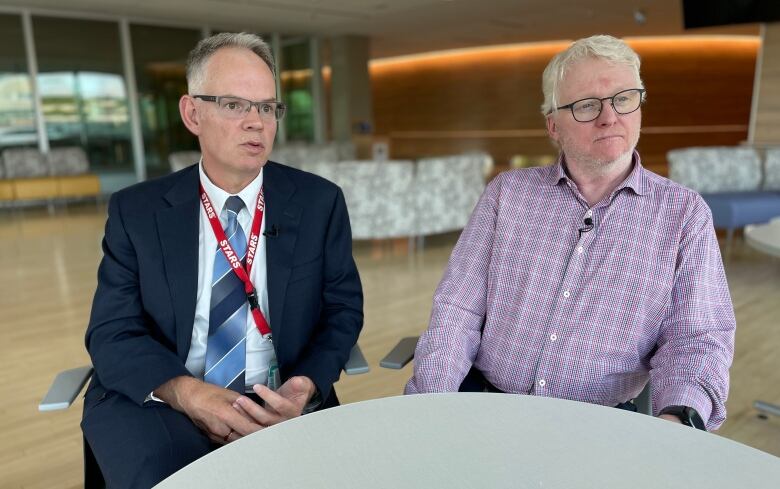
<point>160,58</point>
<point>83,91</point>
<point>295,80</point>
<point>17,116</point>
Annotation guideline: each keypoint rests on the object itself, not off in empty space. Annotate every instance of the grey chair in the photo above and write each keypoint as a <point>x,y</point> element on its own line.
<point>403,352</point>
<point>24,163</point>
<point>69,160</point>
<point>180,160</point>
<point>68,384</point>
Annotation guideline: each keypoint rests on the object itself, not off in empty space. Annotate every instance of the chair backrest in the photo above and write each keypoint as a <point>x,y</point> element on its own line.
<point>716,169</point>
<point>446,191</point>
<point>772,169</point>
<point>24,162</point>
<point>180,160</point>
<point>70,160</point>
<point>298,155</point>
<point>292,154</point>
<point>378,196</point>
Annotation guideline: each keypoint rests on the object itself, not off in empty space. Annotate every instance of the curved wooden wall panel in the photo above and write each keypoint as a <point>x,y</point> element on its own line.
<point>699,93</point>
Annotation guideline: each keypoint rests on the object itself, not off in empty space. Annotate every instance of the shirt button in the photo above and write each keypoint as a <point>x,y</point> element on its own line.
<point>553,337</point>
<point>589,213</point>
<point>580,249</point>
<point>566,294</point>
<point>542,383</point>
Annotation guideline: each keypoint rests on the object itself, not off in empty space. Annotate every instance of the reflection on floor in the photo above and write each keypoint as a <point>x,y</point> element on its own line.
<point>48,274</point>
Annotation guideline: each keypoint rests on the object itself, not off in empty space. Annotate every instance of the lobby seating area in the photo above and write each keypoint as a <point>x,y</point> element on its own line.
<point>28,176</point>
<point>740,184</point>
<point>404,198</point>
<point>391,198</point>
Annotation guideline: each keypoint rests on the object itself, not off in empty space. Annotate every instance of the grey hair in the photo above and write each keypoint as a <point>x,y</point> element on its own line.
<point>199,56</point>
<point>603,47</point>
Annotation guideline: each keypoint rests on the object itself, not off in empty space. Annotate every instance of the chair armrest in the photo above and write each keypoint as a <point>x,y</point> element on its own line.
<point>401,354</point>
<point>68,384</point>
<point>357,362</point>
<point>65,388</point>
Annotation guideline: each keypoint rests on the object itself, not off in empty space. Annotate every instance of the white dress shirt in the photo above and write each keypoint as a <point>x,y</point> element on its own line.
<point>259,351</point>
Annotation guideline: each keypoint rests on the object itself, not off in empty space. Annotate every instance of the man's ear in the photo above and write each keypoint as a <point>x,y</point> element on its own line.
<point>552,128</point>
<point>189,114</point>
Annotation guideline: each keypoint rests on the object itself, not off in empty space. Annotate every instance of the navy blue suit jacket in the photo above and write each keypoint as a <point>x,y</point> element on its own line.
<point>144,307</point>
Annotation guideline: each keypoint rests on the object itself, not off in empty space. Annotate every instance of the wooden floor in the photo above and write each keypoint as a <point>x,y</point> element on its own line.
<point>47,277</point>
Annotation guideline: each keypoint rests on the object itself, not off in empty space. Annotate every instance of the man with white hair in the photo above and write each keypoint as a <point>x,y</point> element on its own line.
<point>587,279</point>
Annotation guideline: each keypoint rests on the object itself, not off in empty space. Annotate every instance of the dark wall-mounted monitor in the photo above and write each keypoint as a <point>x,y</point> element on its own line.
<point>706,13</point>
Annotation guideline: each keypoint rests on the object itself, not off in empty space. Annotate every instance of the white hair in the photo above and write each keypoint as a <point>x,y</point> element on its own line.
<point>603,47</point>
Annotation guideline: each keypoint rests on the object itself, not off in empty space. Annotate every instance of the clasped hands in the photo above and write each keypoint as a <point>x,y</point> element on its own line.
<point>225,415</point>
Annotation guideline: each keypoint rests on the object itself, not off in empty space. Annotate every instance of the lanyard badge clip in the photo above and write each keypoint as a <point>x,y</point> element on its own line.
<point>252,298</point>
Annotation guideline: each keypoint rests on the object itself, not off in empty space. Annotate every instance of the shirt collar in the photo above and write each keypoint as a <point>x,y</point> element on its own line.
<point>218,197</point>
<point>636,180</point>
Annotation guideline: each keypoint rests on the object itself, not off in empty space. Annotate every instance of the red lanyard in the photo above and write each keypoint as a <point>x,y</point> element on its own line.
<point>235,261</point>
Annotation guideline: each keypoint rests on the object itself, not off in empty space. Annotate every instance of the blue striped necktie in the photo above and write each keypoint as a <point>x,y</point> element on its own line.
<point>226,347</point>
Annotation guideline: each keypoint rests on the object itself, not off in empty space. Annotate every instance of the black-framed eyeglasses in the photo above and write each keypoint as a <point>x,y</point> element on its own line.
<point>236,107</point>
<point>589,109</point>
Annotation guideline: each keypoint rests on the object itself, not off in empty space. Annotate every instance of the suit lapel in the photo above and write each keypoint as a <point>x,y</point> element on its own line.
<point>178,230</point>
<point>285,215</point>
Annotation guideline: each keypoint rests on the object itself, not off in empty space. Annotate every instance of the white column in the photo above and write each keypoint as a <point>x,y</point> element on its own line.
<point>317,90</point>
<point>276,49</point>
<point>32,69</point>
<point>136,136</point>
<point>756,85</point>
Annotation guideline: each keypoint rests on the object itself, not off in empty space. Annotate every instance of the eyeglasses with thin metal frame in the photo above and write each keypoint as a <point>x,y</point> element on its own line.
<point>589,109</point>
<point>237,107</point>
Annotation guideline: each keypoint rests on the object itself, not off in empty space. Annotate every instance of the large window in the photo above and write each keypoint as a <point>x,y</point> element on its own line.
<point>82,89</point>
<point>295,77</point>
<point>17,119</point>
<point>160,57</point>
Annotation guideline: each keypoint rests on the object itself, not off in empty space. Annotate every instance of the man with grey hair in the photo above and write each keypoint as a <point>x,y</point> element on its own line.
<point>201,269</point>
<point>587,279</point>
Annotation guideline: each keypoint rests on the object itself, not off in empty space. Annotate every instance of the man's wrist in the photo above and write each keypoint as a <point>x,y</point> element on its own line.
<point>686,414</point>
<point>314,402</point>
<point>175,391</point>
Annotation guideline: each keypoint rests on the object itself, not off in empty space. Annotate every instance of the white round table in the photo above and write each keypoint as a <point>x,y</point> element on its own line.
<point>764,237</point>
<point>480,440</point>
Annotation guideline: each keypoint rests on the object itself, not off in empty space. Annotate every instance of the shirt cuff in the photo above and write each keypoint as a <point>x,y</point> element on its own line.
<point>682,395</point>
<point>152,398</point>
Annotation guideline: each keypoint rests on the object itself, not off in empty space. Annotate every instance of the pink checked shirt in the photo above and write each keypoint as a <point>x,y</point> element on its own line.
<point>585,316</point>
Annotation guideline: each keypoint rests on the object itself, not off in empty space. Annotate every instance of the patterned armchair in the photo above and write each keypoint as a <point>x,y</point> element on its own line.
<point>730,181</point>
<point>716,169</point>
<point>180,160</point>
<point>289,154</point>
<point>298,155</point>
<point>392,199</point>
<point>446,191</point>
<point>772,169</point>
<point>379,197</point>
<point>70,160</point>
<point>24,162</point>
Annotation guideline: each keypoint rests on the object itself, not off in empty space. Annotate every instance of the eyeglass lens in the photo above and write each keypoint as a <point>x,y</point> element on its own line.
<point>623,102</point>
